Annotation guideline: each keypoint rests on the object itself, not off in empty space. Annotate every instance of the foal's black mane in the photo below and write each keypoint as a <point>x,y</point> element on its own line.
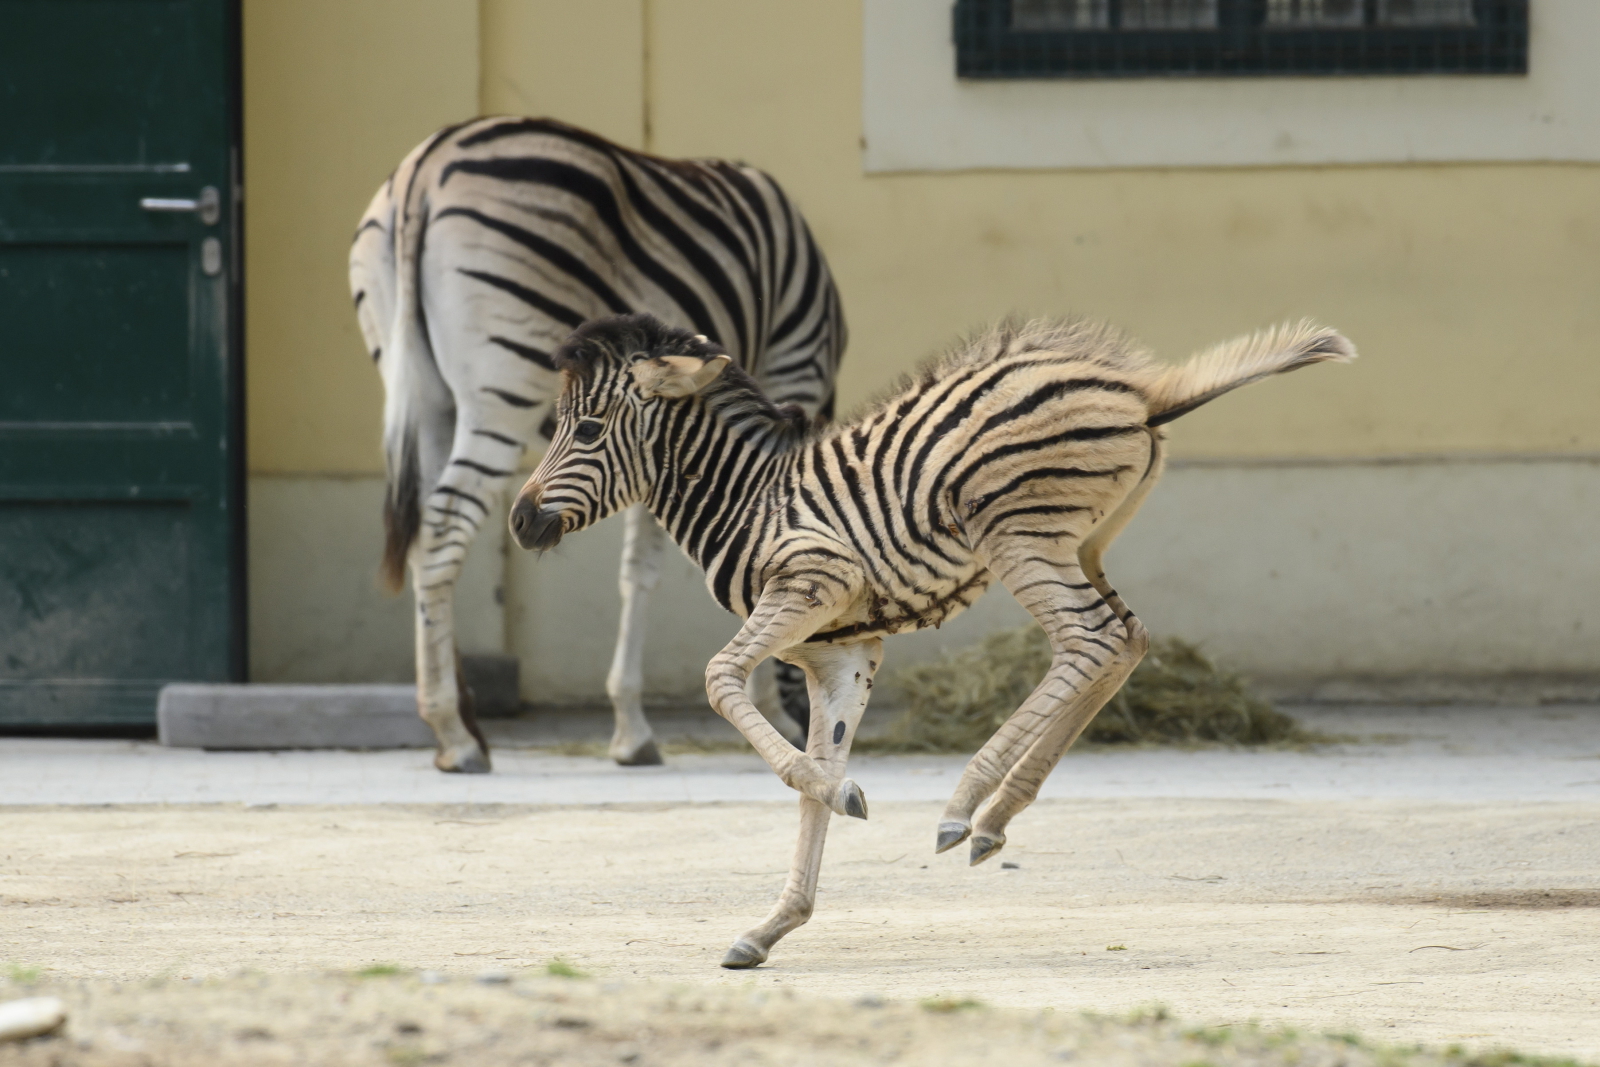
<point>624,339</point>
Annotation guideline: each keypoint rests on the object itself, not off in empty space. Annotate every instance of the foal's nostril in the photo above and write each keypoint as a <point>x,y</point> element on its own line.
<point>532,526</point>
<point>524,515</point>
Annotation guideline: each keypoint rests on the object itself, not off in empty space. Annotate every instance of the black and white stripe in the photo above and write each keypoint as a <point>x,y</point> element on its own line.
<point>1018,458</point>
<point>492,241</point>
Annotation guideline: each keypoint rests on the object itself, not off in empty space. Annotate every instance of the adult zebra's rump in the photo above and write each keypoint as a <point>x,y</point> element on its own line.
<point>1018,458</point>
<point>488,245</point>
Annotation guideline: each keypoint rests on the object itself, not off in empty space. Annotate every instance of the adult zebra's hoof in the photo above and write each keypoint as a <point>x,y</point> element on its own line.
<point>646,755</point>
<point>852,800</point>
<point>951,834</point>
<point>463,761</point>
<point>742,955</point>
<point>984,846</point>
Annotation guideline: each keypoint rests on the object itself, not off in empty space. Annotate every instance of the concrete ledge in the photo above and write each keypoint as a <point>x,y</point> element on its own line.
<point>1500,690</point>
<point>291,716</point>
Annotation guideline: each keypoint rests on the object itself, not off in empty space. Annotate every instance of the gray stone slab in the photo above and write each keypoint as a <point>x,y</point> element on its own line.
<point>1472,755</point>
<point>291,716</point>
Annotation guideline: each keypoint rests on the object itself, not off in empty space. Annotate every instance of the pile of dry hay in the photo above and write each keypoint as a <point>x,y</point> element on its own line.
<point>1175,695</point>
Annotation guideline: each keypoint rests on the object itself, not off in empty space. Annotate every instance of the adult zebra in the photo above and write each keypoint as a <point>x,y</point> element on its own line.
<point>1020,457</point>
<point>486,247</point>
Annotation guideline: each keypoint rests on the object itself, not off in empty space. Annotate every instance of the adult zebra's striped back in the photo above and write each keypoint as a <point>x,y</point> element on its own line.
<point>491,242</point>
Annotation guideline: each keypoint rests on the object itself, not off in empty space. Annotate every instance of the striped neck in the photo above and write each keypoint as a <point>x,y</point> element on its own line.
<point>715,457</point>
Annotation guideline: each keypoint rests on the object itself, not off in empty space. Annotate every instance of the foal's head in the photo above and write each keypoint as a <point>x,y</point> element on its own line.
<point>622,377</point>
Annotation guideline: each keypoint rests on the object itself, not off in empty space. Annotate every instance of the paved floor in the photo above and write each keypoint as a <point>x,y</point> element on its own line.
<point>1469,754</point>
<point>1422,881</point>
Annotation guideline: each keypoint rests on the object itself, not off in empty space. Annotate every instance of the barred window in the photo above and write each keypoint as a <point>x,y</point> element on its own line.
<point>1222,38</point>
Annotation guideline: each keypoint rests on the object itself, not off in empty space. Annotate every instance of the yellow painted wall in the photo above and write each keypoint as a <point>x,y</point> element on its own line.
<point>582,62</point>
<point>335,93</point>
<point>1471,290</point>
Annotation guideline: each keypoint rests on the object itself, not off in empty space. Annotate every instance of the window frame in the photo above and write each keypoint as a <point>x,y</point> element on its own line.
<point>1241,46</point>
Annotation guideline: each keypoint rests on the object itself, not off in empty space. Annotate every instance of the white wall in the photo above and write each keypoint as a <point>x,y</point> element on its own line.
<point>918,116</point>
<point>1381,568</point>
<point>317,611</point>
<point>1300,571</point>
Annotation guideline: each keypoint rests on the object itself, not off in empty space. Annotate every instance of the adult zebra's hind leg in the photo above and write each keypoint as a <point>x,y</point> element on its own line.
<point>467,493</point>
<point>632,742</point>
<point>839,679</point>
<point>443,698</point>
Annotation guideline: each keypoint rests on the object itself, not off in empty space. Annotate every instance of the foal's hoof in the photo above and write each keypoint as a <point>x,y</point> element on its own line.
<point>951,834</point>
<point>852,800</point>
<point>742,955</point>
<point>463,761</point>
<point>646,755</point>
<point>984,846</point>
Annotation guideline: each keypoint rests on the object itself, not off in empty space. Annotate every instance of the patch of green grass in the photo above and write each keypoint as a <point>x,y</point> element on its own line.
<point>381,970</point>
<point>560,968</point>
<point>946,1005</point>
<point>24,974</point>
<point>1506,1058</point>
<point>1174,696</point>
<point>1148,1014</point>
<point>1380,1055</point>
<point>1211,1035</point>
<point>1116,948</point>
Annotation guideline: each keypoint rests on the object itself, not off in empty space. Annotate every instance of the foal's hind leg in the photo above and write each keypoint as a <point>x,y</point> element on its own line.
<point>989,768</point>
<point>1021,785</point>
<point>1094,650</point>
<point>1030,767</point>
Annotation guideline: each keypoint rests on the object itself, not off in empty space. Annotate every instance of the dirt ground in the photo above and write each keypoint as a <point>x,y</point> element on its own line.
<point>409,1019</point>
<point>1405,922</point>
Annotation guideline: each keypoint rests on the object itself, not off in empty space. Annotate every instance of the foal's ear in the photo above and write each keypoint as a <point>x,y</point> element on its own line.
<point>677,376</point>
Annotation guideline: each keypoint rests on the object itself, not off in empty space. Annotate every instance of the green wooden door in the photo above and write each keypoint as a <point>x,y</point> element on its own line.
<point>120,537</point>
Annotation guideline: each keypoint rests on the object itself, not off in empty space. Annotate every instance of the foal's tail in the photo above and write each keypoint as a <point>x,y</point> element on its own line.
<point>1179,390</point>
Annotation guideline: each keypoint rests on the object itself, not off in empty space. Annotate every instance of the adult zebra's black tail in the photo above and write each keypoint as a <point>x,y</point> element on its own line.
<point>402,509</point>
<point>418,414</point>
<point>794,698</point>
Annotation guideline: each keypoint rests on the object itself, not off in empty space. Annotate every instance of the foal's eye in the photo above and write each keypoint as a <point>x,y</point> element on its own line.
<point>588,431</point>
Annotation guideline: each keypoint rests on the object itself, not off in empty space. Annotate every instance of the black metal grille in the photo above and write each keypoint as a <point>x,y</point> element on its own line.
<point>1238,38</point>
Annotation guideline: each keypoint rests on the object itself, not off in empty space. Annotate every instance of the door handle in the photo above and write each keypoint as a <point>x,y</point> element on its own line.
<point>208,206</point>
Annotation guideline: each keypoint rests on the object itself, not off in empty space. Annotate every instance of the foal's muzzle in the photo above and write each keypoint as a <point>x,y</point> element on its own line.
<point>533,526</point>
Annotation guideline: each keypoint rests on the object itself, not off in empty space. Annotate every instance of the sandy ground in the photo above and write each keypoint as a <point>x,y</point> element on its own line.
<point>1404,920</point>
<point>411,1019</point>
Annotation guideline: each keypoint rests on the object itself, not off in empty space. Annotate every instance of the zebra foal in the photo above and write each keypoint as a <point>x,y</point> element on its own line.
<point>1019,457</point>
<point>483,250</point>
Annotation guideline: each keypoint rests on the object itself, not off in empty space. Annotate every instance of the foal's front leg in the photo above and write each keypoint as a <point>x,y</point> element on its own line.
<point>839,681</point>
<point>787,613</point>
